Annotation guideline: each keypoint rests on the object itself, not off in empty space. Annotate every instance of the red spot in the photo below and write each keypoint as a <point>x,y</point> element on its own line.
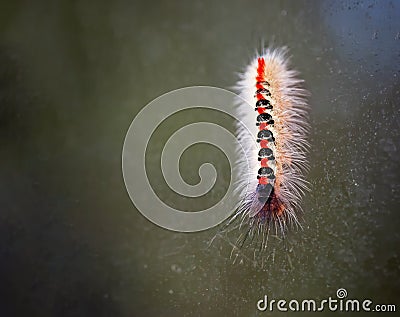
<point>264,143</point>
<point>259,96</point>
<point>260,110</point>
<point>260,69</point>
<point>264,162</point>
<point>259,86</point>
<point>263,126</point>
<point>263,180</point>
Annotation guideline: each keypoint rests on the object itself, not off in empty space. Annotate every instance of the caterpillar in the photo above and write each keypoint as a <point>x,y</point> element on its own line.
<point>273,107</point>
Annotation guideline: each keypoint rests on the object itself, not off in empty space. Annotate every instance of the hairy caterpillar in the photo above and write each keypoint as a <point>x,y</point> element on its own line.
<point>278,119</point>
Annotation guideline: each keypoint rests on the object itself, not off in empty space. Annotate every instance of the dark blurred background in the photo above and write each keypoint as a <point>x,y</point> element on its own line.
<point>73,74</point>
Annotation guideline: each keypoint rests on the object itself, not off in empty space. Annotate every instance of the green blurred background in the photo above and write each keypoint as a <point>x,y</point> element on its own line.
<point>73,74</point>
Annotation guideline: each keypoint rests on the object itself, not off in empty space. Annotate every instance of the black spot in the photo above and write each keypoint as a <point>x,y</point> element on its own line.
<point>264,117</point>
<point>264,103</point>
<point>265,152</point>
<point>263,91</point>
<point>265,135</point>
<point>265,171</point>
